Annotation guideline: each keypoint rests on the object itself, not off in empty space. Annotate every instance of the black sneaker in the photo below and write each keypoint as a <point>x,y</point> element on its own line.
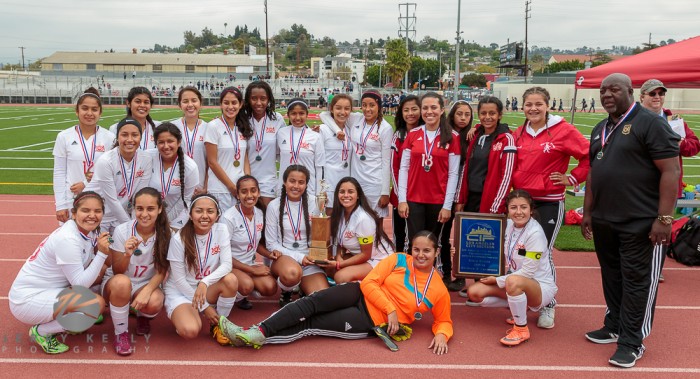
<point>244,304</point>
<point>602,336</point>
<point>626,356</point>
<point>285,298</point>
<point>456,286</point>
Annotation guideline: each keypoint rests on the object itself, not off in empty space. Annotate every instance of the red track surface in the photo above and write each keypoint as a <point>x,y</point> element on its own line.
<point>474,350</point>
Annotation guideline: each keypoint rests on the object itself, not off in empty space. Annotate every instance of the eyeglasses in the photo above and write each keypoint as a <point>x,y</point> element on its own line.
<point>660,93</point>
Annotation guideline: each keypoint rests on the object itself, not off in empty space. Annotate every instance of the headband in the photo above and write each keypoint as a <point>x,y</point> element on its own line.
<point>129,121</point>
<point>231,89</point>
<point>85,195</point>
<point>210,197</point>
<point>460,101</point>
<point>374,95</point>
<point>295,102</point>
<point>89,94</point>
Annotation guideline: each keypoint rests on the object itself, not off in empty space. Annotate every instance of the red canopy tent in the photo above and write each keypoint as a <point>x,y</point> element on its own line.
<point>677,65</point>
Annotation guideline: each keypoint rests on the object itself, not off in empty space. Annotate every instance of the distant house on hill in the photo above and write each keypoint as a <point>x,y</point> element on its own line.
<point>558,58</point>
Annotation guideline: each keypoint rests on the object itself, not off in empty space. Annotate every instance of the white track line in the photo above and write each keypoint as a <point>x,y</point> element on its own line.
<point>32,145</point>
<point>25,201</point>
<point>24,215</point>
<point>25,169</point>
<point>26,158</point>
<point>359,365</point>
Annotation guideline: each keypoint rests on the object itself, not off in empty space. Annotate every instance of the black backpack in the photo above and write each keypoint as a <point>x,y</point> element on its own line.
<point>686,247</point>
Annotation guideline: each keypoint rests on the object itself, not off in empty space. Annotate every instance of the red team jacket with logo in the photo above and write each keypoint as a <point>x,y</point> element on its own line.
<point>690,146</point>
<point>500,171</point>
<point>548,152</point>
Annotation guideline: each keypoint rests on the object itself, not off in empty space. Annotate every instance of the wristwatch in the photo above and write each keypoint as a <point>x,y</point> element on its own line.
<point>665,220</point>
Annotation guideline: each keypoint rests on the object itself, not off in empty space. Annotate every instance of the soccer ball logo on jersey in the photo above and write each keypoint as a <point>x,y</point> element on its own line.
<point>215,250</point>
<point>259,227</point>
<point>348,234</point>
<point>176,182</point>
<point>201,138</point>
<point>498,146</point>
<point>374,136</point>
<point>100,148</point>
<point>270,130</point>
<point>305,145</point>
<point>547,147</point>
<point>139,173</point>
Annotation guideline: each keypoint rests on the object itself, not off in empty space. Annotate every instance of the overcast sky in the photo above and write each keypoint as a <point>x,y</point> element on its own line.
<point>45,26</point>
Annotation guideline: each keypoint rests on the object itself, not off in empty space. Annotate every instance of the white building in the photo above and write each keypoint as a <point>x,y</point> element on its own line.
<point>330,67</point>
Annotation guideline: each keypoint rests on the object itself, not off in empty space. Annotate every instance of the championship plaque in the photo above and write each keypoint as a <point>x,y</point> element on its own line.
<point>478,239</point>
<point>320,227</point>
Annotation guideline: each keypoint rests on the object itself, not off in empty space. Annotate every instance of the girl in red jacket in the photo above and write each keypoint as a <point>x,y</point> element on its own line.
<point>490,160</point>
<point>545,145</point>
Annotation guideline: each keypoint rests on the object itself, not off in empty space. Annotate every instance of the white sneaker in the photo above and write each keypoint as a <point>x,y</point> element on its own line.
<point>546,319</point>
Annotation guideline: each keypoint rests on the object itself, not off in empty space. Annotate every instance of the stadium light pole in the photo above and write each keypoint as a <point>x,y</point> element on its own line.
<point>459,11</point>
<point>267,44</point>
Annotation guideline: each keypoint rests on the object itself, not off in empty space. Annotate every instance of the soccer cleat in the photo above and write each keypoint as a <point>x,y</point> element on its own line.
<point>457,285</point>
<point>252,337</point>
<point>384,336</point>
<point>216,334</point>
<point>285,298</point>
<point>602,336</point>
<point>229,330</point>
<point>143,325</point>
<point>661,277</point>
<point>626,357</point>
<point>244,304</point>
<point>122,345</point>
<point>516,336</point>
<point>49,343</point>
<point>546,319</point>
<point>100,319</point>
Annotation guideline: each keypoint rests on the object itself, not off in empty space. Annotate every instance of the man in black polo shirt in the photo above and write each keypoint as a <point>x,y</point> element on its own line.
<point>628,210</point>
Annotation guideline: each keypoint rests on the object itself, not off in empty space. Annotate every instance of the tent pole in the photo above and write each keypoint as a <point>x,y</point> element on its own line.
<point>573,106</point>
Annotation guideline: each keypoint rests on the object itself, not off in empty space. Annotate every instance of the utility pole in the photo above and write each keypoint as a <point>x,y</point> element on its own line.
<point>457,81</point>
<point>407,24</point>
<point>527,17</point>
<point>267,43</point>
<point>650,41</point>
<point>22,48</point>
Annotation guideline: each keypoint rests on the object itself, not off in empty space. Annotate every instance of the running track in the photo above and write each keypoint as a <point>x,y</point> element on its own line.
<point>474,350</point>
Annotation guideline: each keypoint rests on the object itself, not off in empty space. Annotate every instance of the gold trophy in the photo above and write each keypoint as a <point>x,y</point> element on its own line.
<point>320,227</point>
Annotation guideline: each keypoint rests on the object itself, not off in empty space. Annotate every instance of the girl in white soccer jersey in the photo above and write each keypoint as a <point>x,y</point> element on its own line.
<point>299,145</point>
<point>174,174</point>
<point>529,282</point>
<point>226,143</point>
<point>260,108</point>
<point>337,149</point>
<point>120,173</point>
<point>245,224</point>
<point>287,232</point>
<point>72,255</point>
<point>139,102</point>
<point>200,272</point>
<point>193,129</point>
<point>76,150</point>
<point>428,174</point>
<point>370,158</point>
<point>138,266</point>
<point>357,232</point>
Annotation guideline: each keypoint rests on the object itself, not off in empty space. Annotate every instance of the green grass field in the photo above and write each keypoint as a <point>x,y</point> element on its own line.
<point>27,136</point>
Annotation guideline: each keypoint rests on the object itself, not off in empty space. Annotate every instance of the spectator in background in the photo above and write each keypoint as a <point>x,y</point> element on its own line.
<point>561,105</point>
<point>592,109</point>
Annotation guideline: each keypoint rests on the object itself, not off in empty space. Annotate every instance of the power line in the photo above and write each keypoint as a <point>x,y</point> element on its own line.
<point>528,9</point>
<point>407,25</point>
<point>22,48</point>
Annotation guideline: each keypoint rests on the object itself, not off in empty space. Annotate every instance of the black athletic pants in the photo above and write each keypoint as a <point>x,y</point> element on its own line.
<point>424,217</point>
<point>630,266</point>
<point>399,224</point>
<point>337,311</point>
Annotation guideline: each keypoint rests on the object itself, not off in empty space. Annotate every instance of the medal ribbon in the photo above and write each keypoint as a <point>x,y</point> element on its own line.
<point>296,229</point>
<point>425,289</point>
<point>604,134</point>
<point>146,136</point>
<point>428,152</point>
<point>86,237</point>
<point>259,139</point>
<point>128,183</point>
<point>252,237</point>
<point>206,254</point>
<point>234,141</point>
<point>294,150</point>
<point>189,141</point>
<point>89,155</point>
<point>346,150</point>
<point>165,185</point>
<point>511,246</point>
<point>363,140</point>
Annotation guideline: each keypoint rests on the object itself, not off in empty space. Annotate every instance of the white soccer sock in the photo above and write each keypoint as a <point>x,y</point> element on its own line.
<point>224,305</point>
<point>50,328</point>
<point>494,302</point>
<point>518,308</point>
<point>239,297</point>
<point>285,288</point>
<point>120,318</point>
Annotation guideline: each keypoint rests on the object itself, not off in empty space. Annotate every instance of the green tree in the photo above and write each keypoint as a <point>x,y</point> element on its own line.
<point>427,70</point>
<point>564,66</point>
<point>372,75</point>
<point>398,61</point>
<point>474,80</point>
